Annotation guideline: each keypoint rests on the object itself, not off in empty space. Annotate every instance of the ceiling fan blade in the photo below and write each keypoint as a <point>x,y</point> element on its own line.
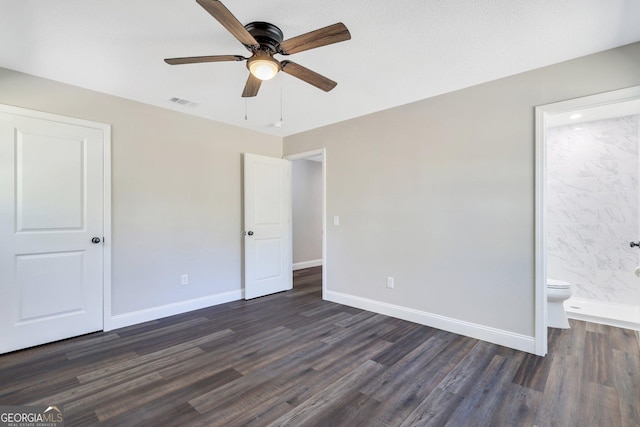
<point>306,75</point>
<point>230,22</point>
<point>252,86</point>
<point>198,59</point>
<point>324,36</point>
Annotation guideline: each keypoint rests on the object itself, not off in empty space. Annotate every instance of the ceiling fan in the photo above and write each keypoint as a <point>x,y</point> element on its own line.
<point>264,40</point>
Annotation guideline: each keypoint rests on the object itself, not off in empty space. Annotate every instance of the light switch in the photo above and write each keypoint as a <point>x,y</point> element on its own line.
<point>336,220</point>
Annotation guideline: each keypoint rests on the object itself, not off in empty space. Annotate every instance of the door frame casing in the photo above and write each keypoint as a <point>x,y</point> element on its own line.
<point>542,113</point>
<point>106,193</point>
<point>306,155</point>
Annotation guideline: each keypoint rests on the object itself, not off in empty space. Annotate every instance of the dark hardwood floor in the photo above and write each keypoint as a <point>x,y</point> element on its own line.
<point>292,359</point>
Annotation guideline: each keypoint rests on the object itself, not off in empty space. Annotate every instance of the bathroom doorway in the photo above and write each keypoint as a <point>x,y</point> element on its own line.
<point>587,200</point>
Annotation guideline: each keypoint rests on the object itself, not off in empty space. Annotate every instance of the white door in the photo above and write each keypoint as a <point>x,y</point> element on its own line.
<point>51,197</point>
<point>267,224</point>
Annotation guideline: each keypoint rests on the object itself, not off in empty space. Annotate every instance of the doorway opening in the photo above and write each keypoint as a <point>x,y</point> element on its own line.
<point>587,170</point>
<point>309,213</point>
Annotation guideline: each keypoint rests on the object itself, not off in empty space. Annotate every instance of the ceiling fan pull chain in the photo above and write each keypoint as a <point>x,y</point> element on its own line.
<point>281,101</point>
<point>245,108</point>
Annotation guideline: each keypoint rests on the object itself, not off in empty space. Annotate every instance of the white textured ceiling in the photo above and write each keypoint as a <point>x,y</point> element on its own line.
<point>401,51</point>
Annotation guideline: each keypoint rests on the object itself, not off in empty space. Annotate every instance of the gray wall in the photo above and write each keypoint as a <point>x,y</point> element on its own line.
<point>440,193</point>
<point>176,195</point>
<point>307,210</point>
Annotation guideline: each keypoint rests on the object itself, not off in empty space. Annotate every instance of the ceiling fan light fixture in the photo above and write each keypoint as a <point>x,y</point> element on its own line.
<point>263,67</point>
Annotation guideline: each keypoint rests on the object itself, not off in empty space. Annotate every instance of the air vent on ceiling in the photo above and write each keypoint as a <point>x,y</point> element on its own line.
<point>184,102</point>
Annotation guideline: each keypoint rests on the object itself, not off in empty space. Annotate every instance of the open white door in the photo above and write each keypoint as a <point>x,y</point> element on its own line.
<point>267,225</point>
<point>51,207</point>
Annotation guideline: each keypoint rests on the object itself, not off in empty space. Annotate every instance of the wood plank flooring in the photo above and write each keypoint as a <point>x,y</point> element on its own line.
<point>291,359</point>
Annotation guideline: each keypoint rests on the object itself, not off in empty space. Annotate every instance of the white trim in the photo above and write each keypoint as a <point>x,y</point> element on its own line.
<point>307,264</point>
<point>473,330</point>
<point>540,253</point>
<point>106,203</point>
<point>154,313</point>
<point>106,254</point>
<point>542,113</point>
<point>325,280</point>
<point>52,117</point>
<point>305,155</point>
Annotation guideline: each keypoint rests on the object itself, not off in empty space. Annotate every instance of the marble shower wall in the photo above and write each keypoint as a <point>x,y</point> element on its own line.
<point>592,208</point>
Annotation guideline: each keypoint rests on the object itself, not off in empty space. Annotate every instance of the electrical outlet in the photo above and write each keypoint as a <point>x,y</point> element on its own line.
<point>390,282</point>
<point>184,279</point>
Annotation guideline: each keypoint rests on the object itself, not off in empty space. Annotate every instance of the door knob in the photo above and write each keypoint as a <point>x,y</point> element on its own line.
<point>95,240</point>
<point>632,244</point>
<point>250,233</point>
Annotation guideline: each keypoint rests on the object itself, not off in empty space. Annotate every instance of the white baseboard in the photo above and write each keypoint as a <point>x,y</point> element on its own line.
<point>148,314</point>
<point>484,333</point>
<point>307,264</point>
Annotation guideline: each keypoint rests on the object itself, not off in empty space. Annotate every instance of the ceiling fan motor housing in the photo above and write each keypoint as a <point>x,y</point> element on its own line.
<point>267,35</point>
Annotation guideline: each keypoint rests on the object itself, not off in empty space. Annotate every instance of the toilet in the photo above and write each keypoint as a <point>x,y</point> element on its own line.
<point>557,292</point>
